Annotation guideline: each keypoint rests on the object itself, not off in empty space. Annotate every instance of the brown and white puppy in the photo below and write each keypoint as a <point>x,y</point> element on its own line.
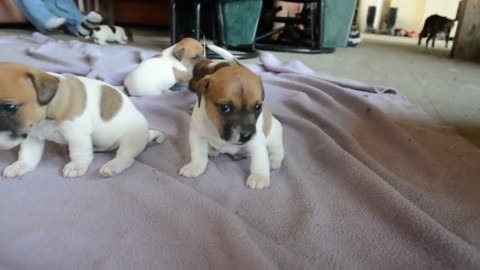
<point>86,114</point>
<point>230,118</point>
<point>157,75</point>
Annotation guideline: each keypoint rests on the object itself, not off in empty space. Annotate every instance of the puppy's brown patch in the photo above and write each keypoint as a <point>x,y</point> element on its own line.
<point>69,102</point>
<point>180,75</point>
<point>203,68</point>
<point>188,51</point>
<point>110,103</point>
<point>267,121</point>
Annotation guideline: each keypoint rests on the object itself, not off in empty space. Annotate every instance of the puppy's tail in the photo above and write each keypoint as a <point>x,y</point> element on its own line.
<point>156,136</point>
<point>222,52</point>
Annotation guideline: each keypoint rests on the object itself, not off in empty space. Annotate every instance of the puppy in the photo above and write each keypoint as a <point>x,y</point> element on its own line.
<point>86,114</point>
<point>110,33</point>
<point>158,74</point>
<point>230,118</point>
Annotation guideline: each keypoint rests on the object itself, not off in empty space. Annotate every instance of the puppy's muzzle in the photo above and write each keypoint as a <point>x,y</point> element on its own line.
<point>246,133</point>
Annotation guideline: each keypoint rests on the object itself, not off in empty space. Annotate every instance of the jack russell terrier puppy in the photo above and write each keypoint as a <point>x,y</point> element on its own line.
<point>86,114</point>
<point>157,75</point>
<point>230,118</point>
<point>111,33</point>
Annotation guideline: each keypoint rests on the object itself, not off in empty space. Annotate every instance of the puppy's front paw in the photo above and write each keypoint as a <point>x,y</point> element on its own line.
<point>16,169</point>
<point>258,181</point>
<point>212,152</point>
<point>191,170</point>
<point>276,161</point>
<point>115,166</point>
<point>73,169</point>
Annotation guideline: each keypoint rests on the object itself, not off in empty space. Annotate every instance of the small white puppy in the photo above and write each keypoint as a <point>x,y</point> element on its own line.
<point>108,33</point>
<point>157,75</point>
<point>86,114</point>
<point>229,118</point>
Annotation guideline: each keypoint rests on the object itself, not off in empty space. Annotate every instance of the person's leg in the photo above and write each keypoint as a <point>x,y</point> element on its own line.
<point>90,21</point>
<point>39,15</point>
<point>77,23</point>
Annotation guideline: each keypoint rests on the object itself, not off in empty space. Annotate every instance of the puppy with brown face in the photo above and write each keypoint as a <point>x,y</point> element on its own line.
<point>86,114</point>
<point>230,118</point>
<point>157,75</point>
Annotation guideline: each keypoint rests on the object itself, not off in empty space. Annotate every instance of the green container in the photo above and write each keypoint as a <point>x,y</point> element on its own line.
<point>338,17</point>
<point>240,18</point>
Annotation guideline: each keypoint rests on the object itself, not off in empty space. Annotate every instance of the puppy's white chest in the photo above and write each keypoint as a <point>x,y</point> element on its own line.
<point>47,130</point>
<point>223,147</point>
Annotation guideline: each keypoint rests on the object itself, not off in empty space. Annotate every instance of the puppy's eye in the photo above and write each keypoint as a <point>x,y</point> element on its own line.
<point>225,108</point>
<point>9,108</point>
<point>258,108</point>
<point>196,58</point>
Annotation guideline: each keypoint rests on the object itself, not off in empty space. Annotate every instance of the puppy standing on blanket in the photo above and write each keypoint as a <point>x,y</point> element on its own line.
<point>86,114</point>
<point>157,75</point>
<point>111,33</point>
<point>230,118</point>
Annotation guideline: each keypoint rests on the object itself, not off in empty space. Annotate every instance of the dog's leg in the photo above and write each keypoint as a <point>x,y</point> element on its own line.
<point>198,155</point>
<point>276,152</point>
<point>212,152</point>
<point>101,41</point>
<point>259,177</point>
<point>30,154</point>
<point>428,40</point>
<point>130,146</point>
<point>433,41</point>
<point>122,40</point>
<point>80,149</point>
<point>447,37</point>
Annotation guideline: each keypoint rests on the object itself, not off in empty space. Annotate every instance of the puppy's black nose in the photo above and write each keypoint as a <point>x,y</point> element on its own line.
<point>245,136</point>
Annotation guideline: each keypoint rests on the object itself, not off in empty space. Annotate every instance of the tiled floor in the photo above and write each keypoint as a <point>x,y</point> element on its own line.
<point>447,89</point>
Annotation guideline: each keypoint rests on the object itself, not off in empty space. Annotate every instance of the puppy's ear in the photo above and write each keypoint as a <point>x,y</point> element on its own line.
<point>263,89</point>
<point>178,52</point>
<point>202,88</point>
<point>45,85</point>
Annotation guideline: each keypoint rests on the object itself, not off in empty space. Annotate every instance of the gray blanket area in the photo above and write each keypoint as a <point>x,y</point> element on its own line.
<point>369,182</point>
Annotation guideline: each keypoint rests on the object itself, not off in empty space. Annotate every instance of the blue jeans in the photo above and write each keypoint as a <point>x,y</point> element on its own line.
<point>38,12</point>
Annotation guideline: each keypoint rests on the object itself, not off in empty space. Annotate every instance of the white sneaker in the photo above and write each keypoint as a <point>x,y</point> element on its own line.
<point>93,17</point>
<point>55,23</point>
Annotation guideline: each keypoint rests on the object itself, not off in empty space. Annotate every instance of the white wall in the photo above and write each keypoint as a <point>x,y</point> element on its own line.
<point>411,13</point>
<point>363,10</point>
<point>447,8</point>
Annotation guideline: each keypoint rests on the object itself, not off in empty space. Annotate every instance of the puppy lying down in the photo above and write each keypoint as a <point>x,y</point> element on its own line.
<point>86,114</point>
<point>155,76</point>
<point>230,118</point>
<point>110,33</point>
